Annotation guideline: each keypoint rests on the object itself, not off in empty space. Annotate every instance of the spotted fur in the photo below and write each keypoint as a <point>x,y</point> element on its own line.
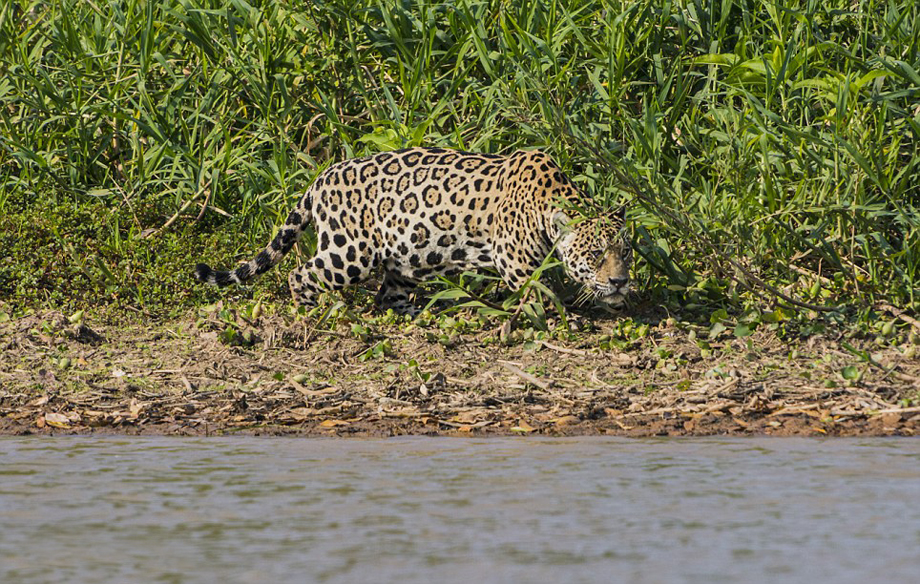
<point>424,212</point>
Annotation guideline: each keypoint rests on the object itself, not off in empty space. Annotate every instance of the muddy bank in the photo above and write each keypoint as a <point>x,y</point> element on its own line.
<point>280,376</point>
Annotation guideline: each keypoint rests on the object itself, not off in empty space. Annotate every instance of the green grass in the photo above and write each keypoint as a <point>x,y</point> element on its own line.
<point>68,256</point>
<point>769,148</point>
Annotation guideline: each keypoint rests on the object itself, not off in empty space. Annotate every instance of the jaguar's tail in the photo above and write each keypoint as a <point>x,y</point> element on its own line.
<point>287,236</point>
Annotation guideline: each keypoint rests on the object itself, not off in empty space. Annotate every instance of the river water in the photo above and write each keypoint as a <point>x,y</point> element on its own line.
<point>89,509</point>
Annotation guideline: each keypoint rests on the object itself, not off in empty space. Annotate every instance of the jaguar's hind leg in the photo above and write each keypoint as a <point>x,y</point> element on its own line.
<point>312,279</point>
<point>395,292</point>
<point>327,271</point>
<point>306,284</point>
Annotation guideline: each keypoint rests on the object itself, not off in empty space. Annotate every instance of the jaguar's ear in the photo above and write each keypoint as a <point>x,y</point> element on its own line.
<point>620,214</point>
<point>562,222</point>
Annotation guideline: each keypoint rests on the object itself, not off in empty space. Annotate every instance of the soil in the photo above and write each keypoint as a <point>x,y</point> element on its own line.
<point>182,378</point>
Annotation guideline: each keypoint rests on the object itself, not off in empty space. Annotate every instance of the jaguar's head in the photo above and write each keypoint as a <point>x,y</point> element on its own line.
<point>597,254</point>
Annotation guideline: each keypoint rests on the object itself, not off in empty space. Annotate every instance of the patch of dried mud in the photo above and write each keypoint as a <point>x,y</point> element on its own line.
<point>179,378</point>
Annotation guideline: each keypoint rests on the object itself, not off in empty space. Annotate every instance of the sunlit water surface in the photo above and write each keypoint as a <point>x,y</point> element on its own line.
<point>459,510</point>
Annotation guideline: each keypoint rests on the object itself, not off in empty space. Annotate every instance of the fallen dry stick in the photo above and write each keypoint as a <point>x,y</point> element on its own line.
<point>578,352</point>
<point>901,314</point>
<point>525,376</point>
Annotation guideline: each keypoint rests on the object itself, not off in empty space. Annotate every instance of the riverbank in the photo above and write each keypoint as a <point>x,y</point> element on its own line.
<point>277,375</point>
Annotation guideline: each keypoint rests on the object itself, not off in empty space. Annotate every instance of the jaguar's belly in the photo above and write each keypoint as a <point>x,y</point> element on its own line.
<point>425,263</point>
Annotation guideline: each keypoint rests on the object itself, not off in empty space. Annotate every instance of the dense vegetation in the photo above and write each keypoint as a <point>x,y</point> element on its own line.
<point>769,149</point>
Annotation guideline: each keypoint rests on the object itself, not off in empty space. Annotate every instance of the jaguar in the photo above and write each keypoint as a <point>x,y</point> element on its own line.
<point>418,213</point>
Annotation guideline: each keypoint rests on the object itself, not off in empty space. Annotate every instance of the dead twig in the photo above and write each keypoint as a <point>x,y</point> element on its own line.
<point>900,314</point>
<point>578,352</point>
<point>810,274</point>
<point>206,188</point>
<point>204,206</point>
<point>536,381</point>
<point>651,412</point>
<point>898,410</point>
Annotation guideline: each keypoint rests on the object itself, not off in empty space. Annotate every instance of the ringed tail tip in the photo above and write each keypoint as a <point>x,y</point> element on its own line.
<point>204,273</point>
